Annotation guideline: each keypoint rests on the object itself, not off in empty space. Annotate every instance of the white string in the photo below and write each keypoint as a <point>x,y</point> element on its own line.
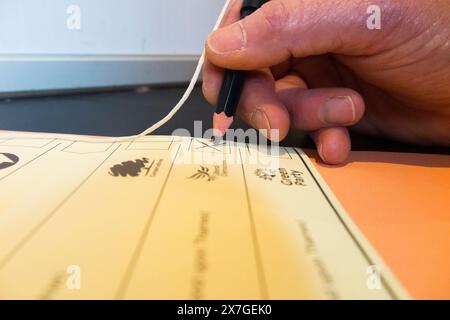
<point>157,125</point>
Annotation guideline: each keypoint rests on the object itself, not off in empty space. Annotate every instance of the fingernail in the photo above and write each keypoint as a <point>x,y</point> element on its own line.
<point>320,150</point>
<point>338,110</point>
<point>228,39</point>
<point>261,122</point>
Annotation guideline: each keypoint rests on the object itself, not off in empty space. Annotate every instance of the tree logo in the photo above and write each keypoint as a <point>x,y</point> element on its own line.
<point>131,168</point>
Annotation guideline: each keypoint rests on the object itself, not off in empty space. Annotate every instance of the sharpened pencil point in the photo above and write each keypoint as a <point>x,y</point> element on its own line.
<point>216,140</point>
<point>221,123</point>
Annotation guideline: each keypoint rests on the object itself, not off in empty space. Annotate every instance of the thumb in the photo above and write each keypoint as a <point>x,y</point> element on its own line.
<point>284,28</point>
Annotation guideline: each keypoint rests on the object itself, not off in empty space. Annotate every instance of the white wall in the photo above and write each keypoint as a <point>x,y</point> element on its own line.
<point>120,42</point>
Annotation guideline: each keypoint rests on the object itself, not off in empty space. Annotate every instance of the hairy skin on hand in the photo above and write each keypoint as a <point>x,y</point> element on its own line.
<point>304,53</point>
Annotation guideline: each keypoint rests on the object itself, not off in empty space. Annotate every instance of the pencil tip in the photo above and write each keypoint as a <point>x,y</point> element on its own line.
<point>221,123</point>
<point>216,140</point>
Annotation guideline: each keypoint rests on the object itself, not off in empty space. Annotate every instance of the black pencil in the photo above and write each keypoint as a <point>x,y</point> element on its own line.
<point>233,83</point>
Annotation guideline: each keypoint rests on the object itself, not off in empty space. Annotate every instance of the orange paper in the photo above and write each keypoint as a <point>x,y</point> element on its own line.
<point>401,202</point>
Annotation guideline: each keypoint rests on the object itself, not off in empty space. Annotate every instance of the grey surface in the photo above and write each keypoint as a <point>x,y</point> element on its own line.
<point>129,112</point>
<point>84,72</point>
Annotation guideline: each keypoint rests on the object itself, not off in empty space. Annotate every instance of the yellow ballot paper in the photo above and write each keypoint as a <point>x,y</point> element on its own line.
<point>164,217</point>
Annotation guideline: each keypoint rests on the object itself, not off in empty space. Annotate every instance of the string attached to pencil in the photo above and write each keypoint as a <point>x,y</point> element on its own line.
<point>148,131</point>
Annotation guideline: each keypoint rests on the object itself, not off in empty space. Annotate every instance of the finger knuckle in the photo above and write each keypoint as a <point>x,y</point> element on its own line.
<point>276,16</point>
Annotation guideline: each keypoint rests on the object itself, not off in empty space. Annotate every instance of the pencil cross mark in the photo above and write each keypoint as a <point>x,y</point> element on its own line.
<point>210,146</point>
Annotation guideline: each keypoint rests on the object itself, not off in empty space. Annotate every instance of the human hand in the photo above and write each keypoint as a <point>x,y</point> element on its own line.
<point>315,65</point>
